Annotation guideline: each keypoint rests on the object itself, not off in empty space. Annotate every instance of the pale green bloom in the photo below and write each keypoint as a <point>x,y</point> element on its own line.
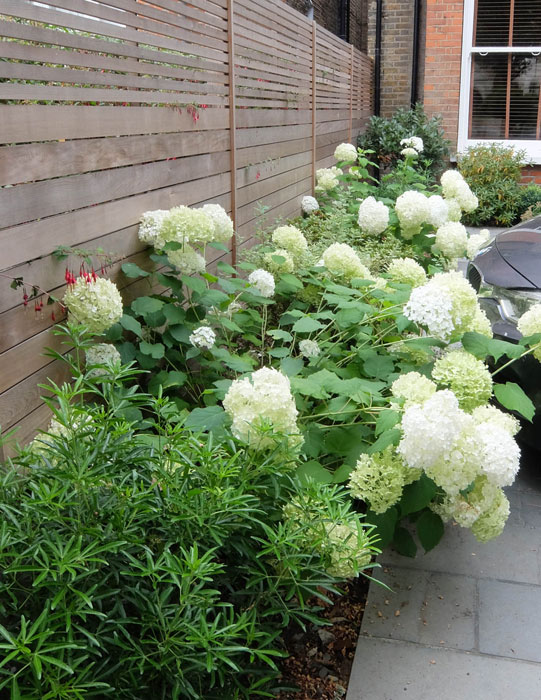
<point>346,152</point>
<point>287,265</point>
<point>187,260</point>
<point>291,239</point>
<point>185,225</point>
<point>223,224</point>
<point>413,387</point>
<point>341,260</point>
<point>407,271</point>
<point>309,348</point>
<point>102,354</point>
<point>530,324</point>
<point>451,239</point>
<point>467,377</point>
<point>327,179</point>
<point>373,216</point>
<point>96,304</point>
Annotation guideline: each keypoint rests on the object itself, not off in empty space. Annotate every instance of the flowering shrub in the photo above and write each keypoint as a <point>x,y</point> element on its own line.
<point>94,302</point>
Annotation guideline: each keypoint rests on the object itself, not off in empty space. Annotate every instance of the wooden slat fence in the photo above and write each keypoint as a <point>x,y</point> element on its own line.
<point>109,109</point>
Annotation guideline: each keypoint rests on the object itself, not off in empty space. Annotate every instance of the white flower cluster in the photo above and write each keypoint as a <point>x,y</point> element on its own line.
<point>341,260</point>
<point>96,304</point>
<point>415,142</point>
<point>447,305</point>
<point>467,377</point>
<point>327,179</point>
<point>409,152</point>
<point>79,424</point>
<point>275,265</point>
<point>476,242</point>
<point>373,216</point>
<point>412,209</point>
<point>530,324</point>
<point>102,354</point>
<point>451,239</point>
<point>203,337</point>
<point>413,387</point>
<point>309,348</point>
<point>260,403</point>
<point>407,271</point>
<point>223,224</point>
<point>187,260</point>
<point>291,239</point>
<point>438,211</point>
<point>346,153</point>
<point>151,223</point>
<point>456,188</point>
<point>309,204</point>
<point>263,282</point>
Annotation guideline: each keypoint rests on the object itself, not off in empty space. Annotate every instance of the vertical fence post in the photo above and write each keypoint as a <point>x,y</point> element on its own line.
<point>232,125</point>
<point>351,94</point>
<point>314,111</point>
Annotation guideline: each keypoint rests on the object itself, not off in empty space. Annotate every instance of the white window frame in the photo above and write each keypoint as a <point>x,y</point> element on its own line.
<point>532,147</point>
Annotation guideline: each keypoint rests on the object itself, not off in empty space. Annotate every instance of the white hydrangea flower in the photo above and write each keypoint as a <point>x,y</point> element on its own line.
<point>341,260</point>
<point>491,414</point>
<point>407,271</point>
<point>380,478</point>
<point>327,179</point>
<point>309,204</point>
<point>263,282</point>
<point>151,223</point>
<point>438,211</point>
<point>203,337</point>
<point>413,210</point>
<point>223,224</point>
<point>455,187</point>
<point>187,260</point>
<point>346,152</point>
<point>530,324</point>
<point>491,522</point>
<point>453,209</point>
<point>102,354</point>
<point>288,264</point>
<point>185,225</point>
<point>409,152</point>
<point>292,239</point>
<point>413,387</point>
<point>259,402</point>
<point>451,239</point>
<point>96,304</point>
<point>373,216</point>
<point>415,142</point>
<point>466,376</point>
<point>498,451</point>
<point>476,242</point>
<point>481,324</point>
<point>309,348</point>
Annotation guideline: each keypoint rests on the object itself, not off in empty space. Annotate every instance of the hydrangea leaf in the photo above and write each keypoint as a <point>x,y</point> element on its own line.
<point>379,366</point>
<point>133,270</point>
<point>402,322</point>
<point>389,437</point>
<point>418,495</point>
<point>313,471</point>
<point>166,380</point>
<point>349,316</point>
<point>146,305</point>
<point>131,324</point>
<point>386,420</point>
<point>530,340</point>
<point>278,334</point>
<point>180,333</point>
<point>155,350</point>
<point>174,314</point>
<point>211,419</point>
<point>429,529</point>
<point>307,325</point>
<point>342,474</point>
<point>225,269</point>
<point>385,524</point>
<point>279,352</point>
<point>512,397</point>
<point>404,542</point>
<point>196,284</point>
<point>481,346</point>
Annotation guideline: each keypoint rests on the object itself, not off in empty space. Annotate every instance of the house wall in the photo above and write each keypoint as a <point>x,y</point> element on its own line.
<point>327,12</point>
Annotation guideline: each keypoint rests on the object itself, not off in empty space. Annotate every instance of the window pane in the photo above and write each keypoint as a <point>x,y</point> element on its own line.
<point>492,22</point>
<point>527,23</point>
<point>489,97</point>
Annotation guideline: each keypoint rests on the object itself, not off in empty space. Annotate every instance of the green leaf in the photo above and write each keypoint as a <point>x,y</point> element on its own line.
<point>386,420</point>
<point>146,305</point>
<point>133,270</point>
<point>194,283</point>
<point>131,324</point>
<point>417,496</point>
<point>224,268</point>
<point>429,529</point>
<point>180,333</point>
<point>114,333</point>
<point>166,380</point>
<point>306,325</point>
<point>279,352</point>
<point>291,366</point>
<point>512,397</point>
<point>389,437</point>
<point>349,316</point>
<point>385,524</point>
<point>481,346</point>
<point>210,419</point>
<point>174,314</point>
<point>313,470</point>
<point>155,350</point>
<point>342,474</point>
<point>278,334</point>
<point>402,322</point>
<point>404,542</point>
<point>379,366</point>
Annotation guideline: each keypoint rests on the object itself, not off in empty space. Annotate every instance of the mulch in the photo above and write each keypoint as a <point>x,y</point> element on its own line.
<point>320,658</point>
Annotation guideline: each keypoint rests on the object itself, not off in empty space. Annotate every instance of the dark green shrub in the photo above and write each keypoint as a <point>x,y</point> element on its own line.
<point>493,172</point>
<point>383,136</point>
<point>530,204</point>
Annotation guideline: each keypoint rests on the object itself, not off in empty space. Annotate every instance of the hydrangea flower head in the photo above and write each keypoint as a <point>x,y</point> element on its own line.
<point>327,179</point>
<point>413,210</point>
<point>260,402</point>
<point>476,242</point>
<point>530,324</point>
<point>373,216</point>
<point>95,303</point>
<point>499,454</point>
<point>454,211</point>
<point>407,271</point>
<point>151,223</point>
<point>185,225</point>
<point>346,153</point>
<point>415,142</point>
<point>455,187</point>
<point>291,239</point>
<point>348,547</point>
<point>309,204</point>
<point>309,348</point>
<point>491,414</point>
<point>203,337</point>
<point>341,260</point>
<point>466,376</point>
<point>223,224</point>
<point>413,387</point>
<point>187,260</point>
<point>102,354</point>
<point>451,239</point>
<point>491,522</point>
<point>263,282</point>
<point>276,267</point>
<point>409,152</point>
<point>438,211</point>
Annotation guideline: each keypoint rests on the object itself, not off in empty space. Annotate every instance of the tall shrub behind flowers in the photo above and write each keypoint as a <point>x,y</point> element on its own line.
<point>350,369</point>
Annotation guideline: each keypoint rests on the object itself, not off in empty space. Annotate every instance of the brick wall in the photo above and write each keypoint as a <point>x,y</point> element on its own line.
<point>327,14</point>
<point>442,63</point>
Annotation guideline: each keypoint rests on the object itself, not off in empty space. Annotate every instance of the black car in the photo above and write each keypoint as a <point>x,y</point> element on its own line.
<point>507,275</point>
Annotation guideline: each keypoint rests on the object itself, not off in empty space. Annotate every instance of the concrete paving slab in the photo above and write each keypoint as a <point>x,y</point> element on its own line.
<point>510,620</point>
<point>396,670</point>
<point>514,556</point>
<point>424,607</point>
